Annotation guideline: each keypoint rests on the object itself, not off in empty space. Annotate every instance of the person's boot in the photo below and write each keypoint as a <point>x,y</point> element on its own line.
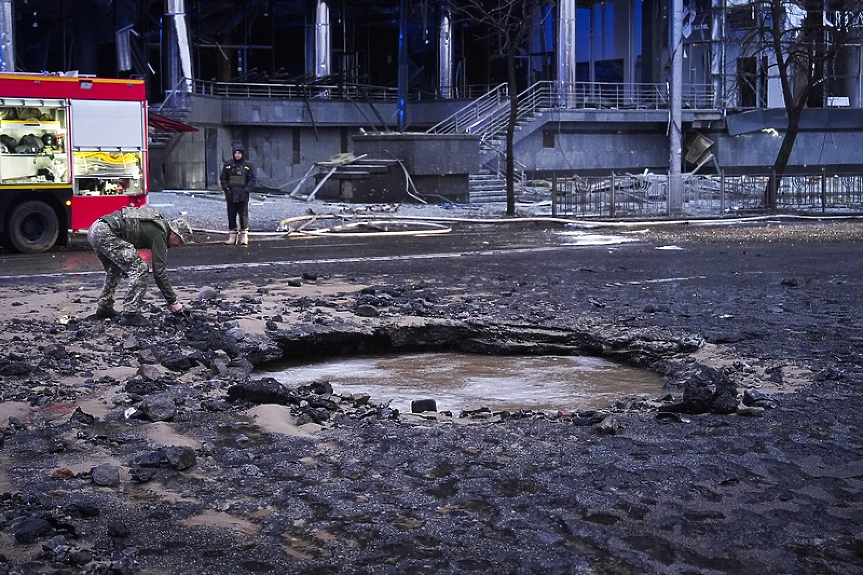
<point>232,238</point>
<point>133,320</point>
<point>244,238</point>
<point>105,312</point>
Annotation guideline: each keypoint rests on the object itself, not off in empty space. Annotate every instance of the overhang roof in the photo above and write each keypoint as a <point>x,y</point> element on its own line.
<point>160,123</point>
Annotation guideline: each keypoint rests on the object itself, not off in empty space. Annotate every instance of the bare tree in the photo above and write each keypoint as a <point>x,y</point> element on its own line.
<point>802,41</point>
<point>512,21</point>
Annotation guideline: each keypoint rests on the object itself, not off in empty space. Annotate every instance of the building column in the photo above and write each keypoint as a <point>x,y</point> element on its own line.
<point>566,57</point>
<point>675,108</point>
<point>445,53</point>
<point>401,112</point>
<point>652,43</point>
<point>624,18</point>
<point>323,40</point>
<point>854,63</point>
<point>717,55</point>
<point>177,49</point>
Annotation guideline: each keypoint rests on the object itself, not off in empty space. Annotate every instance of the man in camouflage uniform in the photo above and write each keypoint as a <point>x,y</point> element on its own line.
<point>117,237</point>
<point>238,180</point>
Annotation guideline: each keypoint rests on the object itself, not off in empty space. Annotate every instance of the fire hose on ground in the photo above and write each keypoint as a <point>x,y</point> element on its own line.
<point>373,225</point>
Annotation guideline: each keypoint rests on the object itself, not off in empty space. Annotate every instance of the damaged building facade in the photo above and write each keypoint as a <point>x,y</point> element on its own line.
<point>418,83</point>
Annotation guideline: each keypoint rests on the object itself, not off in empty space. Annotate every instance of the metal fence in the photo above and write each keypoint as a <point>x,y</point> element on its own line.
<point>713,196</point>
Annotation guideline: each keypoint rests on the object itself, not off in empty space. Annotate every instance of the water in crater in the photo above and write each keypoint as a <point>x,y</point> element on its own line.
<point>461,381</point>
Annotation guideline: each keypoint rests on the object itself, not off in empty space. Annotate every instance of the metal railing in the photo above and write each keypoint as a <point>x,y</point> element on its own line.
<point>704,196</point>
<point>543,94</point>
<point>295,91</point>
<point>497,166</point>
<point>619,96</point>
<point>488,114</point>
<point>467,119</point>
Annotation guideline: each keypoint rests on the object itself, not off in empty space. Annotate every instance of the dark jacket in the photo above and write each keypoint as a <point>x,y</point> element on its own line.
<point>237,178</point>
<point>148,234</point>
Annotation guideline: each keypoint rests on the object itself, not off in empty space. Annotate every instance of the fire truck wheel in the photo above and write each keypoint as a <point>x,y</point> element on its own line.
<point>33,227</point>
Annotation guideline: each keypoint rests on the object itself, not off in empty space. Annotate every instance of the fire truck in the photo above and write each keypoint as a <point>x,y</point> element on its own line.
<point>72,149</point>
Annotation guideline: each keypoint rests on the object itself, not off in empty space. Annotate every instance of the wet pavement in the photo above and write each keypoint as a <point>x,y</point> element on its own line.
<point>217,478</point>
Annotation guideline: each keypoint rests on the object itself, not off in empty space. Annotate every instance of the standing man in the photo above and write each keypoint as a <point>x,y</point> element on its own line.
<point>117,237</point>
<point>238,180</point>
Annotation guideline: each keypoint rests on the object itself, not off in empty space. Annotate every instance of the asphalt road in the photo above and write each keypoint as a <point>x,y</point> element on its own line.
<point>465,240</point>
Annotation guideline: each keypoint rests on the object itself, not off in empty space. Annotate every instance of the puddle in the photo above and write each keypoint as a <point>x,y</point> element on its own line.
<point>458,381</point>
<point>579,238</point>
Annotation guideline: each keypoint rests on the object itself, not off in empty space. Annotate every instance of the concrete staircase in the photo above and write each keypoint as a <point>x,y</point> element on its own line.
<point>488,117</point>
<point>486,188</point>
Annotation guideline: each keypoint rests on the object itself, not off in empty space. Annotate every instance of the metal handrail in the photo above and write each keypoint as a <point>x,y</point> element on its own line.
<point>465,120</point>
<point>171,94</point>
<point>488,117</point>
<point>294,90</point>
<point>542,94</point>
<point>497,121</point>
<point>519,177</point>
<point>625,96</point>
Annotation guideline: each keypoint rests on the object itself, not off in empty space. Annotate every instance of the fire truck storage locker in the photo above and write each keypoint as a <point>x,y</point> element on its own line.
<point>108,142</point>
<point>71,150</point>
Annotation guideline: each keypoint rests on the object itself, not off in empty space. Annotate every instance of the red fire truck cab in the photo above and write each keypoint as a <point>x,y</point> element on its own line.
<point>72,149</point>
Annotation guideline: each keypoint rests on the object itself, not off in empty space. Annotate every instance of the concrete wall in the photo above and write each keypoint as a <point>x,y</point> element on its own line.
<point>840,151</point>
<point>284,139</point>
<point>605,142</point>
<point>424,154</point>
<point>595,142</point>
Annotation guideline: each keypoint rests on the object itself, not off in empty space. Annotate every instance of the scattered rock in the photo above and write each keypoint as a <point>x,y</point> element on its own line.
<point>209,294</point>
<point>78,416</point>
<point>105,475</point>
<point>149,372</point>
<point>179,458</point>
<point>710,390</point>
<point>63,473</point>
<point>158,408</point>
<point>750,411</point>
<point>29,529</point>
<point>117,529</point>
<point>755,398</point>
<point>266,390</point>
<point>671,416</point>
<point>367,310</point>
<point>611,425</point>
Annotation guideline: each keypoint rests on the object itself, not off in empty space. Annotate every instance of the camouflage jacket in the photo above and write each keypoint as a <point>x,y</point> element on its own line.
<point>150,232</point>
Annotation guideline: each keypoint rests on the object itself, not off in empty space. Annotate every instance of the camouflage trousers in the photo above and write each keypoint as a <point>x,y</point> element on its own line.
<point>120,260</point>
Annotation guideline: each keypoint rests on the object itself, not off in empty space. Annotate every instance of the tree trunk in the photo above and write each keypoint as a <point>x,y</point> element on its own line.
<point>510,130</point>
<point>780,164</point>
